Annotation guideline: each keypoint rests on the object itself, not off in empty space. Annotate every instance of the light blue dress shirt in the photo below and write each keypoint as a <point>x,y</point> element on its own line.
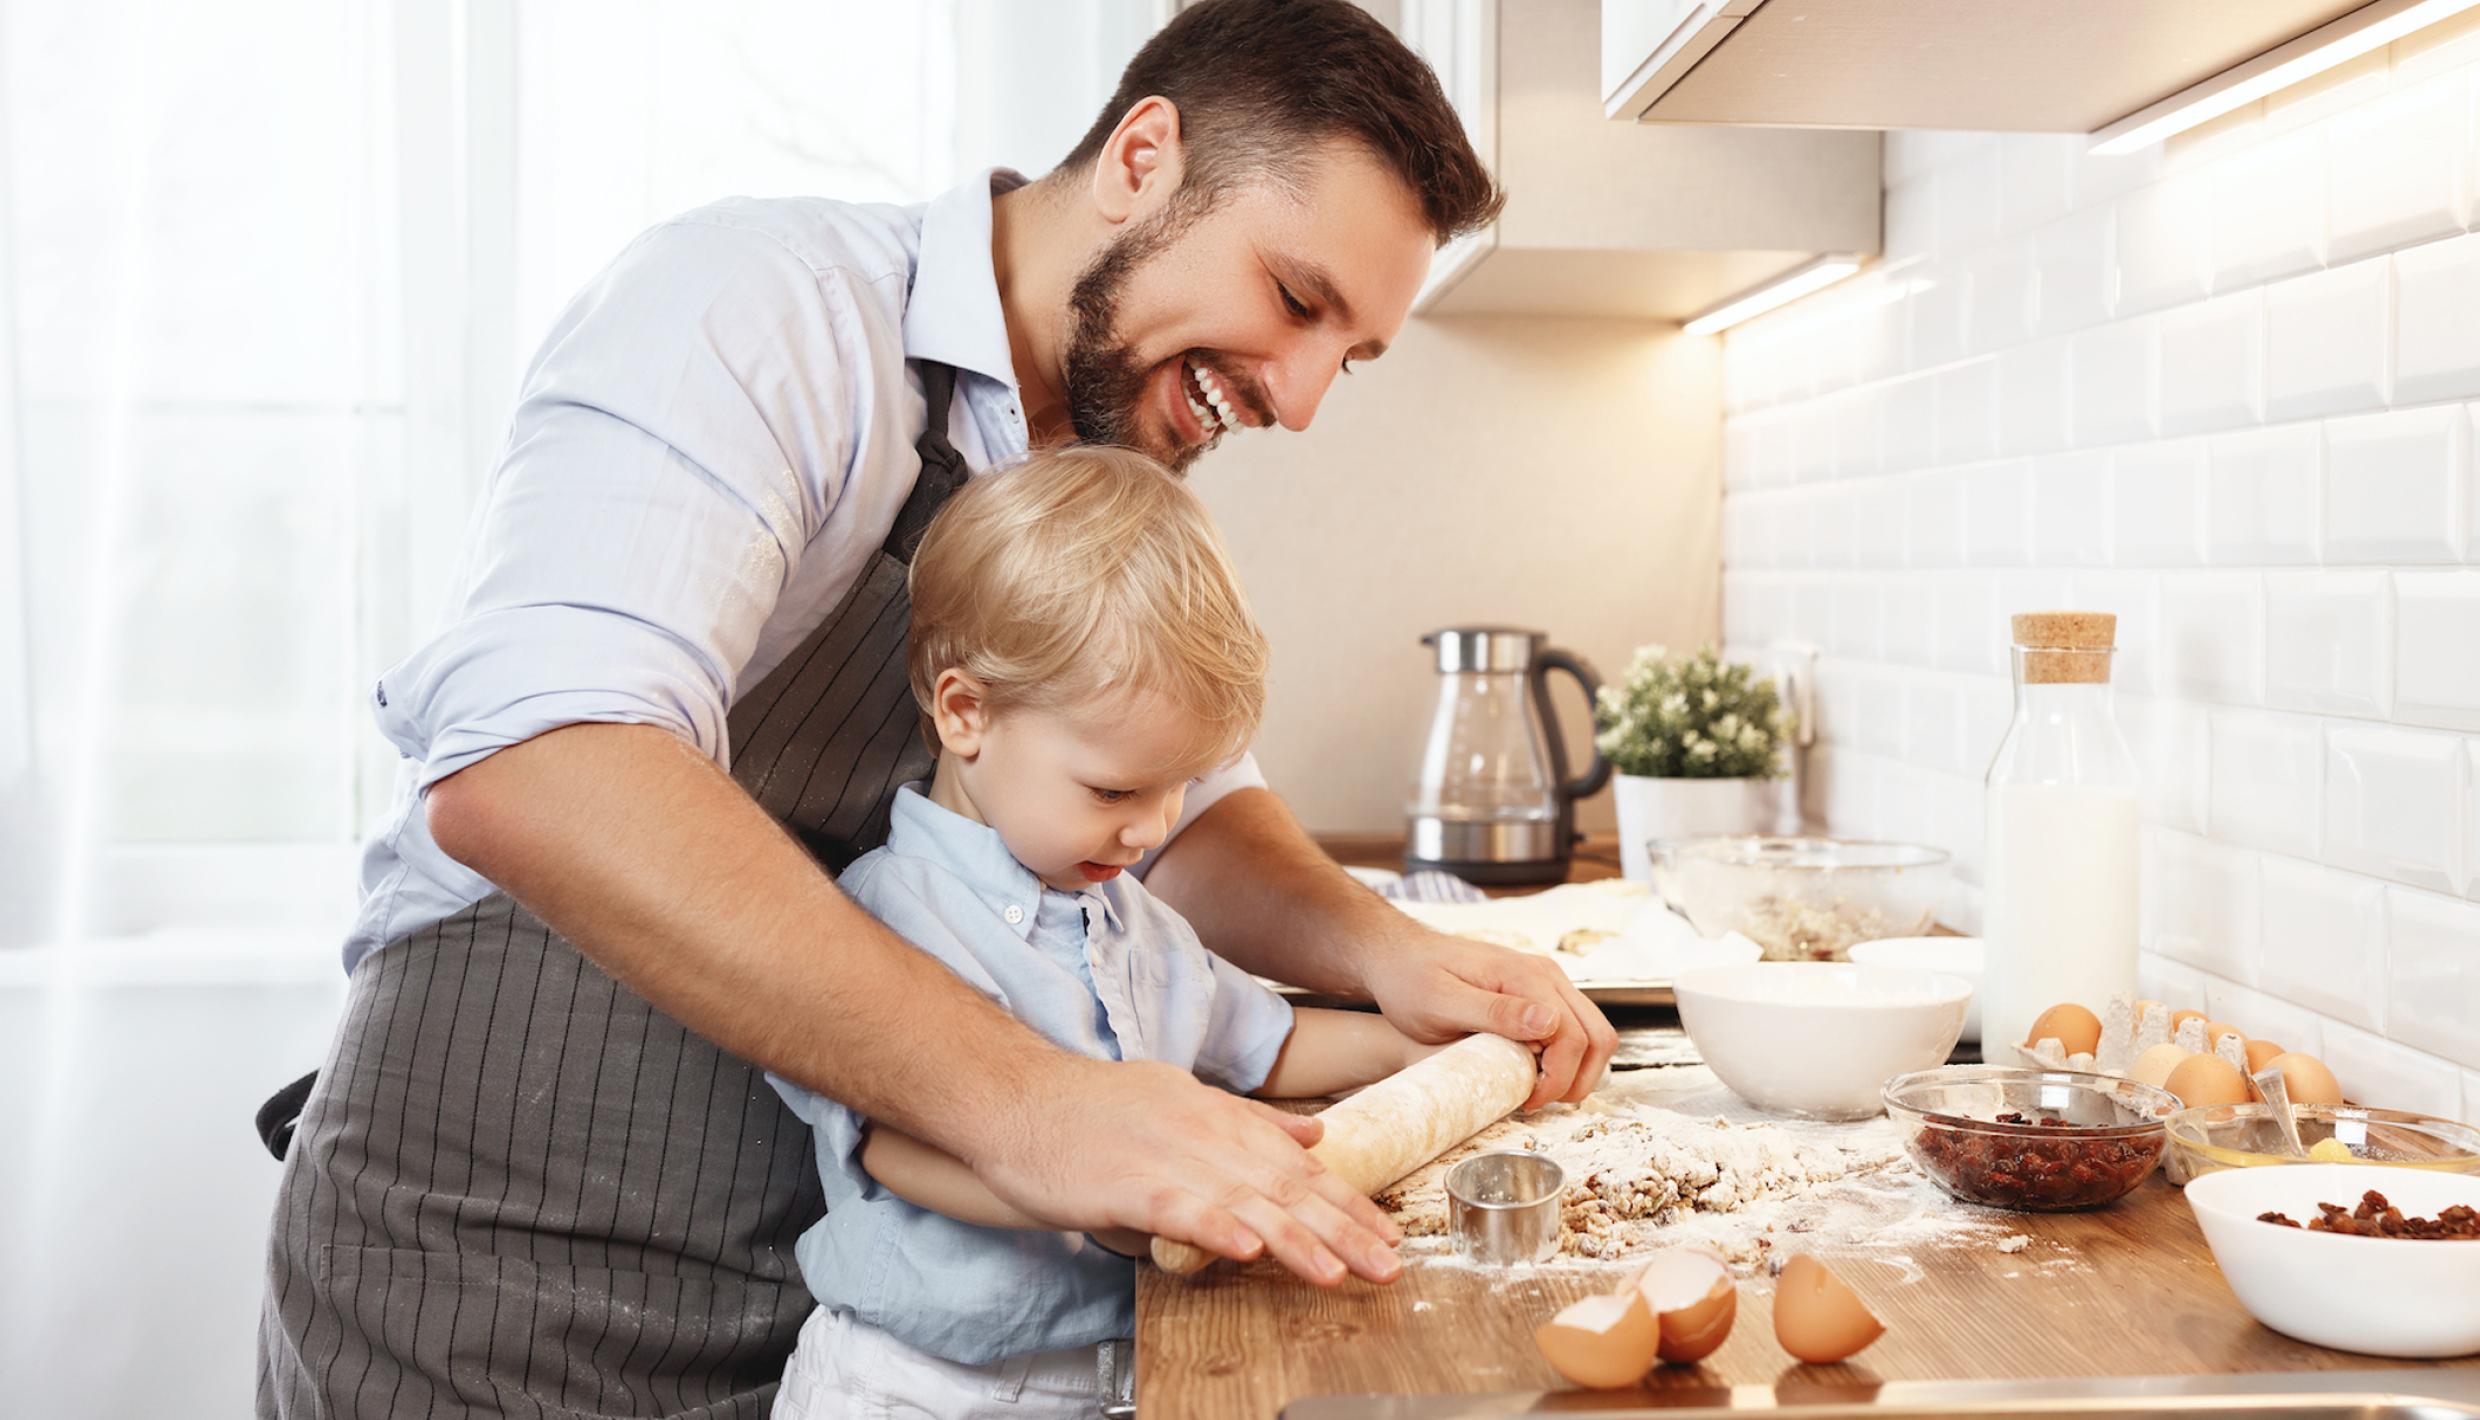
<point>714,439</point>
<point>1107,971</point>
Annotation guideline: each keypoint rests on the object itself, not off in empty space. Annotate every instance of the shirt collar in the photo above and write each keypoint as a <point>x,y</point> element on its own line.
<point>1105,897</point>
<point>953,315</point>
<point>919,828</point>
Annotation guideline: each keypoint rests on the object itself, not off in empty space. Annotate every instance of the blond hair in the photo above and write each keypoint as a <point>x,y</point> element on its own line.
<point>1079,572</point>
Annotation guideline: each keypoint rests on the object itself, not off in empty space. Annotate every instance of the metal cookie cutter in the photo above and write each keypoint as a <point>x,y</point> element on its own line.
<point>1503,1208</point>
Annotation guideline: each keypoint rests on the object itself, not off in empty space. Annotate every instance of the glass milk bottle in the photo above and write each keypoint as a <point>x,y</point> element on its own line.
<point>2064,815</point>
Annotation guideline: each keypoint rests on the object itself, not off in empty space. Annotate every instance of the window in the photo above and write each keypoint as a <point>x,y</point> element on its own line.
<point>269,273</point>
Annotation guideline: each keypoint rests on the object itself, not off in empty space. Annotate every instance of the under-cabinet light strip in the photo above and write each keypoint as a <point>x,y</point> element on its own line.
<point>2367,28</point>
<point>1781,291</point>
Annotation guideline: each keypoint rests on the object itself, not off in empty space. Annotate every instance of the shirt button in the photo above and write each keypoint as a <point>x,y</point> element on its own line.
<point>1014,914</point>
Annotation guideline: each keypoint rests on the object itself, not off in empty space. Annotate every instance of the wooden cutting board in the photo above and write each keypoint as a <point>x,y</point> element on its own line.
<point>2128,1290</point>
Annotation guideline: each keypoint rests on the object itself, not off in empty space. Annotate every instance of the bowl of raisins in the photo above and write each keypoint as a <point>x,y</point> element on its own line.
<point>2031,1140</point>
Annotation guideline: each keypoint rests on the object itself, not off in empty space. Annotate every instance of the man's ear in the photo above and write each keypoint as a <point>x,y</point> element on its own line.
<point>960,709</point>
<point>1140,165</point>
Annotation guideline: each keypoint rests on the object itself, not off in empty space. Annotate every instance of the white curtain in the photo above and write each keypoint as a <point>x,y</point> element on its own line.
<point>269,273</point>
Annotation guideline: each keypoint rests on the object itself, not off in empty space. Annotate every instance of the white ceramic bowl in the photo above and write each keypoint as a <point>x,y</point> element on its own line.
<point>1955,956</point>
<point>2379,1296</point>
<point>1819,1038</point>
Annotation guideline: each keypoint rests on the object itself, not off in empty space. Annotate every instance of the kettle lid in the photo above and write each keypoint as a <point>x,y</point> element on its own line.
<point>1485,648</point>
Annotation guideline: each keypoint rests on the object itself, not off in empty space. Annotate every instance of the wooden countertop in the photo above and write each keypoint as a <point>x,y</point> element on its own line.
<point>2138,1294</point>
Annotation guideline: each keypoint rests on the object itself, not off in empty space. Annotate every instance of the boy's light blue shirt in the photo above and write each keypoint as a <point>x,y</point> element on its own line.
<point>1107,971</point>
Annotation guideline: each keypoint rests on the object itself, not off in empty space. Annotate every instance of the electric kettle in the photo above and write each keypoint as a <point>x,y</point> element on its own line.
<point>1491,801</point>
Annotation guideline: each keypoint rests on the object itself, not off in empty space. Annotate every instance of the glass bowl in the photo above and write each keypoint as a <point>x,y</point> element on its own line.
<point>1800,899</point>
<point>2223,1136</point>
<point>2035,1141</point>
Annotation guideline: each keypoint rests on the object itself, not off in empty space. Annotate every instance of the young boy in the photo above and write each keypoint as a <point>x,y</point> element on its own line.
<point>1080,650</point>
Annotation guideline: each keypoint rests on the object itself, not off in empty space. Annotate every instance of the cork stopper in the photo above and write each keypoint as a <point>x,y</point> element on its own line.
<point>2066,647</point>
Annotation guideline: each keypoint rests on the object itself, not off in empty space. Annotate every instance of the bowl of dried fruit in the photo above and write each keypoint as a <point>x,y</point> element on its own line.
<point>2370,1258</point>
<point>2039,1141</point>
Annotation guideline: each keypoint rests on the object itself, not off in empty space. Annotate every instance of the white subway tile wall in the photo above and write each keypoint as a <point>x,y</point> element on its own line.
<point>2217,388</point>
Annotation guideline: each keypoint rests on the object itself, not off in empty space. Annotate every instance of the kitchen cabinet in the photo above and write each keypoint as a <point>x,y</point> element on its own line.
<point>1605,219</point>
<point>2061,66</point>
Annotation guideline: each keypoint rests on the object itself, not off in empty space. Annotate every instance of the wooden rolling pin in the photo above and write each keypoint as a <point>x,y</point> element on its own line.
<point>1406,1120</point>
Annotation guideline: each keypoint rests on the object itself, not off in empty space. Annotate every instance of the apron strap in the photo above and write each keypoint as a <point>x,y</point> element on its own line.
<point>943,469</point>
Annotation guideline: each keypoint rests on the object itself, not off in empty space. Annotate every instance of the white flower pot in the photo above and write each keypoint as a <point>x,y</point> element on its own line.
<point>1691,808</point>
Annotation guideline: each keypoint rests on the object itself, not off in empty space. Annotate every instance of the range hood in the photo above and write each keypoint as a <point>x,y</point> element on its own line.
<point>2056,66</point>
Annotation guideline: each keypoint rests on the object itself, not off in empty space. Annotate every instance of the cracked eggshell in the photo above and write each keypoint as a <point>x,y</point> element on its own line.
<point>1817,1318</point>
<point>1692,1301</point>
<point>1602,1342</point>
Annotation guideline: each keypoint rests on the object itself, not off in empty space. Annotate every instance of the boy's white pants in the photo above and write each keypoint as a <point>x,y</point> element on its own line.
<point>844,1369</point>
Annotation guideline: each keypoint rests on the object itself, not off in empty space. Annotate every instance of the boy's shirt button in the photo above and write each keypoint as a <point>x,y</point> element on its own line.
<point>1014,914</point>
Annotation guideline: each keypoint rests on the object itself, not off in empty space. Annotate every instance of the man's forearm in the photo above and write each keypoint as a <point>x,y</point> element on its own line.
<point>642,853</point>
<point>1262,894</point>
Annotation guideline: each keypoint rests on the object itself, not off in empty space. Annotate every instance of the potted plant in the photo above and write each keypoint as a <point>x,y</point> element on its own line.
<point>1696,746</point>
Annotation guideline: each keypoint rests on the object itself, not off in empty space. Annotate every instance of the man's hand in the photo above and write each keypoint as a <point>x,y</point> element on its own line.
<point>1259,892</point>
<point>1143,1146</point>
<point>1439,987</point>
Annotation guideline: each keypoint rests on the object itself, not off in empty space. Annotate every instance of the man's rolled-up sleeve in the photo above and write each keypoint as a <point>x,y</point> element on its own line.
<point>678,443</point>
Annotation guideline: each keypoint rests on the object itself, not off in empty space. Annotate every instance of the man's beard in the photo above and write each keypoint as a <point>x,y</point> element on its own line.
<point>1105,381</point>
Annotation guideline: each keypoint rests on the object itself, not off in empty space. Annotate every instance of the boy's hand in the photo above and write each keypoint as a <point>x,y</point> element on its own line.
<point>1096,1145</point>
<point>1434,987</point>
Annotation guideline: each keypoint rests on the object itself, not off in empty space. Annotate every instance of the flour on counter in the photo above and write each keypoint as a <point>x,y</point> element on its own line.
<point>1668,1157</point>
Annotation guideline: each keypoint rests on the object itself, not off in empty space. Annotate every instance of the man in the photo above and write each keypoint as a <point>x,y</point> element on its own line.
<point>541,1168</point>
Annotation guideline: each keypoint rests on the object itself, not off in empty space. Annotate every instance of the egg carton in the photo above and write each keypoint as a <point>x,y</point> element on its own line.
<point>2128,1029</point>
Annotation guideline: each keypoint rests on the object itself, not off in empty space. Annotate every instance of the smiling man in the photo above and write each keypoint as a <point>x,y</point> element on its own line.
<point>541,1168</point>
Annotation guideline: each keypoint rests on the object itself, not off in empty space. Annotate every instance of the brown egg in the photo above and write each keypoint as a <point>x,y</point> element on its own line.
<point>2307,1079</point>
<point>1603,1342</point>
<point>1692,1301</point>
<point>1816,1317</point>
<point>2261,1053</point>
<point>2154,1065</point>
<point>2200,1080</point>
<point>2071,1025</point>
<point>2215,1030</point>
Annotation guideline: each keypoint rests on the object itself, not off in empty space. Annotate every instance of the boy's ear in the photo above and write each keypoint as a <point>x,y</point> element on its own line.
<point>961,713</point>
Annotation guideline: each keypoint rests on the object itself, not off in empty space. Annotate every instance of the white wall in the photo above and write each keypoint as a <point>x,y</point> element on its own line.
<point>1561,474</point>
<point>2217,389</point>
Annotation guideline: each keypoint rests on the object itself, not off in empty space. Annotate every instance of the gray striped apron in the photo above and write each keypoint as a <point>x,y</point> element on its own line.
<point>517,1187</point>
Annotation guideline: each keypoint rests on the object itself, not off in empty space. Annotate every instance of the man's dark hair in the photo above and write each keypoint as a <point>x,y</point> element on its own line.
<point>1257,82</point>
